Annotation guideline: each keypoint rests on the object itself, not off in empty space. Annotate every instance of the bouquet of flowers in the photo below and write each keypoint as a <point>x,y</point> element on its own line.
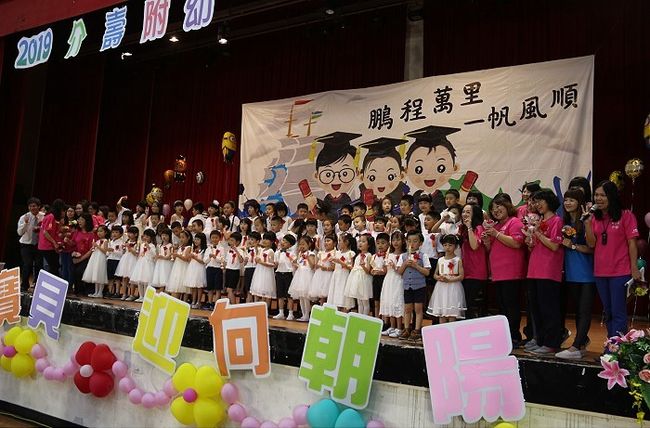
<point>568,232</point>
<point>628,365</point>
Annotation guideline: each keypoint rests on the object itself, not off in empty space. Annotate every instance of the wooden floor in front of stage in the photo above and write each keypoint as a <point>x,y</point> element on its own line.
<point>597,333</point>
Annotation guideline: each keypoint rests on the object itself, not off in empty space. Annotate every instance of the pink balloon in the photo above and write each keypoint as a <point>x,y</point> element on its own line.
<point>268,424</point>
<point>166,210</point>
<point>126,385</point>
<point>647,219</point>
<point>169,389</point>
<point>287,423</point>
<point>161,399</point>
<point>250,422</point>
<point>38,351</point>
<point>135,396</point>
<point>375,424</point>
<point>48,373</point>
<point>148,400</point>
<point>42,364</point>
<point>300,414</point>
<point>229,393</point>
<point>237,413</point>
<point>58,374</point>
<point>69,369</point>
<point>9,351</point>
<point>120,369</point>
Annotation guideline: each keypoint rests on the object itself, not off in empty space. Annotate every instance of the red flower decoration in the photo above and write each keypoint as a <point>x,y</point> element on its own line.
<point>543,226</point>
<point>451,266</point>
<point>95,374</point>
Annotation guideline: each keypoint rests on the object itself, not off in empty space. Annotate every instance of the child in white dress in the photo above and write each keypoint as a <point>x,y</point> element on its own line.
<point>115,251</point>
<point>195,278</point>
<point>127,262</point>
<point>263,281</point>
<point>142,273</point>
<point>96,272</point>
<point>342,260</point>
<point>391,301</point>
<point>163,261</point>
<point>324,269</point>
<point>304,264</point>
<point>181,259</point>
<point>359,283</point>
<point>448,299</point>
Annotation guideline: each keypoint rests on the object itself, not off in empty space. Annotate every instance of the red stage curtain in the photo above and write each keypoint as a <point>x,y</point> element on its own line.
<point>122,141</point>
<point>66,156</point>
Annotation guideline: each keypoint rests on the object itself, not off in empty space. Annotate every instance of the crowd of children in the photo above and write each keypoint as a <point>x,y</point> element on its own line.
<point>396,263</point>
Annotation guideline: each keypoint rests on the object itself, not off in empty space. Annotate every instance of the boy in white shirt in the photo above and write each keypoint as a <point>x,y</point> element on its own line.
<point>283,276</point>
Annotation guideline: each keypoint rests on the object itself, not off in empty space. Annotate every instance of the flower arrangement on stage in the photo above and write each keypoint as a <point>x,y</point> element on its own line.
<point>628,365</point>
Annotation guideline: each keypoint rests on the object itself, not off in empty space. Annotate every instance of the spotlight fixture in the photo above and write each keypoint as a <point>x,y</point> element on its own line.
<point>125,54</point>
<point>174,39</point>
<point>223,34</point>
<point>329,11</point>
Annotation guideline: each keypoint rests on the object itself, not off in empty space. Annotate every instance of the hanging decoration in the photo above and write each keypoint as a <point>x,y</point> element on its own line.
<point>169,178</point>
<point>154,195</point>
<point>616,177</point>
<point>200,177</point>
<point>633,169</point>
<point>229,146</point>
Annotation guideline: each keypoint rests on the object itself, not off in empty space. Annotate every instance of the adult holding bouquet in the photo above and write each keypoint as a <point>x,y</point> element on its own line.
<point>504,238</point>
<point>578,270</point>
<point>612,231</point>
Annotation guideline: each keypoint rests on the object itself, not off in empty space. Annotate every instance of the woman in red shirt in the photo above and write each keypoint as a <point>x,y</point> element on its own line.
<point>48,238</point>
<point>82,245</point>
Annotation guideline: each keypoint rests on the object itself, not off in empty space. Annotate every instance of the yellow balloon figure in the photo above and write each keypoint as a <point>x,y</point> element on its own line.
<point>199,403</point>
<point>155,195</point>
<point>228,146</point>
<point>16,358</point>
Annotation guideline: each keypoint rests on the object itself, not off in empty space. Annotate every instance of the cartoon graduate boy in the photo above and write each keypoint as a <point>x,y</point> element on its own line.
<point>431,162</point>
<point>382,170</point>
<point>336,168</point>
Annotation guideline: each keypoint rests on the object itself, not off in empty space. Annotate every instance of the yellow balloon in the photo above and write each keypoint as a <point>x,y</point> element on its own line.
<point>184,377</point>
<point>182,411</point>
<point>504,425</point>
<point>208,413</point>
<point>208,382</point>
<point>22,365</point>
<point>5,363</point>
<point>11,335</point>
<point>25,341</point>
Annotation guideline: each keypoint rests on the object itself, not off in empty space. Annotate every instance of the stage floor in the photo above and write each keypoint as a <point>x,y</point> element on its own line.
<point>597,332</point>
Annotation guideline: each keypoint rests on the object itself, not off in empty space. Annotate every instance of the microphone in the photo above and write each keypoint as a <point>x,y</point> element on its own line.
<point>591,211</point>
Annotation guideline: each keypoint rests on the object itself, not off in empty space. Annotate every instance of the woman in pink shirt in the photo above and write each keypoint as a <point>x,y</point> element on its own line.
<point>527,191</point>
<point>82,245</point>
<point>612,233</point>
<point>49,243</point>
<point>474,256</point>
<point>507,259</point>
<point>545,273</point>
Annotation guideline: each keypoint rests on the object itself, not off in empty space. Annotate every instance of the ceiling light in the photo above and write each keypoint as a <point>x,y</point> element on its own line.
<point>329,11</point>
<point>174,39</point>
<point>126,54</point>
<point>223,33</point>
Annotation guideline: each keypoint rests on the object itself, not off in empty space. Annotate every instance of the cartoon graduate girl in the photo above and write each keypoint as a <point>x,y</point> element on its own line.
<point>382,170</point>
<point>336,168</point>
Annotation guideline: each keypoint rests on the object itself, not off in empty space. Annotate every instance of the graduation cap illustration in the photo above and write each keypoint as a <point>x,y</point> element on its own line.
<point>432,136</point>
<point>382,145</point>
<point>336,146</point>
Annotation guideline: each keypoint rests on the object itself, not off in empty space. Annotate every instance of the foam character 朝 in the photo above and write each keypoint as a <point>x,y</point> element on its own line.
<point>431,162</point>
<point>228,146</point>
<point>336,168</point>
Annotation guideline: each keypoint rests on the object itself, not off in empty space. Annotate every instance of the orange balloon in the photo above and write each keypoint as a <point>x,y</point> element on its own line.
<point>169,176</point>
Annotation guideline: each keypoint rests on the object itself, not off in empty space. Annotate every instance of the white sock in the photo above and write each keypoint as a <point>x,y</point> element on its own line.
<point>305,305</point>
<point>281,311</point>
<point>141,290</point>
<point>364,307</point>
<point>98,289</point>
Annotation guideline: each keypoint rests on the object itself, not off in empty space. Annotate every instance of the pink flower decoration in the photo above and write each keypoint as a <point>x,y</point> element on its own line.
<point>613,373</point>
<point>644,375</point>
<point>646,358</point>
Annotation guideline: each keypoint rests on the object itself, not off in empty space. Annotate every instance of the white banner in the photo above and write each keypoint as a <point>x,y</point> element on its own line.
<point>509,126</point>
